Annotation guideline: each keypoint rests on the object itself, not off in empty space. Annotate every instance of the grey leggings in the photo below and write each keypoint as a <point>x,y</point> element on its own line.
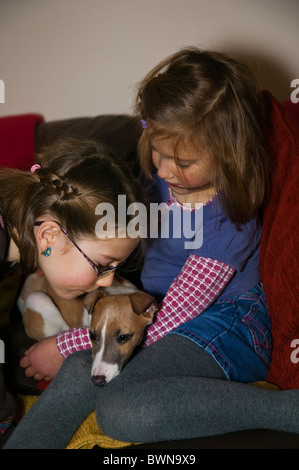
<point>170,390</point>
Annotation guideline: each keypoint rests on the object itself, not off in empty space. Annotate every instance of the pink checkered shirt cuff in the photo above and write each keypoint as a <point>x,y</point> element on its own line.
<point>198,285</point>
<point>73,340</point>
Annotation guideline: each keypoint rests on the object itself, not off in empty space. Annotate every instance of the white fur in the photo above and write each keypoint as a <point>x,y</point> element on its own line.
<point>124,287</point>
<point>100,367</point>
<point>109,371</point>
<point>21,304</point>
<point>43,304</point>
<point>86,318</point>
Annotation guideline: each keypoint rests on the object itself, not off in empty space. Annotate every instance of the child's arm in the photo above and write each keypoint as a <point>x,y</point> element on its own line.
<point>198,285</point>
<point>73,340</point>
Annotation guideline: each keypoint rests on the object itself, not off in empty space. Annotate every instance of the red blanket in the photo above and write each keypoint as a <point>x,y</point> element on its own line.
<point>279,246</point>
<point>17,140</point>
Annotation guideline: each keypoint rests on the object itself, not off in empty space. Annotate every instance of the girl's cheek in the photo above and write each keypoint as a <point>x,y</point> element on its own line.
<point>81,280</point>
<point>185,179</point>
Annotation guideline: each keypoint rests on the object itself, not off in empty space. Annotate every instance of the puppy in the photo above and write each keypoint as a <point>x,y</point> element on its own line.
<point>116,329</point>
<point>117,317</point>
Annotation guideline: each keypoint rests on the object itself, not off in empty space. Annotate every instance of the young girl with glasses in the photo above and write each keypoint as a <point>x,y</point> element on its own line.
<point>48,219</point>
<point>202,148</point>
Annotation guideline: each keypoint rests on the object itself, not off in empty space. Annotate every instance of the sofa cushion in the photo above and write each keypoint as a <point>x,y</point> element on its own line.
<point>120,132</point>
<point>17,140</point>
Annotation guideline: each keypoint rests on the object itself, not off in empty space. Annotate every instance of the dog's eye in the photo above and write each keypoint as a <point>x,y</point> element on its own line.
<point>123,338</point>
<point>92,335</point>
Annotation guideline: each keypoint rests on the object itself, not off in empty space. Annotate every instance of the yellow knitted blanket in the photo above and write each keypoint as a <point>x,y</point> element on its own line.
<point>87,436</point>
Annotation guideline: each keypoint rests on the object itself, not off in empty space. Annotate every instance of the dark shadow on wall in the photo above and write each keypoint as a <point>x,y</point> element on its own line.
<point>271,74</point>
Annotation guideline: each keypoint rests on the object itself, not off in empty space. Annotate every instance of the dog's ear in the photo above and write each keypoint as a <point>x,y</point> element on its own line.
<point>144,304</point>
<point>91,299</point>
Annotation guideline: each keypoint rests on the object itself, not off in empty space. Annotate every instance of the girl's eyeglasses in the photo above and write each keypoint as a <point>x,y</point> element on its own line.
<point>100,270</point>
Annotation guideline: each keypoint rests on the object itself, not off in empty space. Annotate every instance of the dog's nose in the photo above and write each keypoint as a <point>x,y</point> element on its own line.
<point>99,380</point>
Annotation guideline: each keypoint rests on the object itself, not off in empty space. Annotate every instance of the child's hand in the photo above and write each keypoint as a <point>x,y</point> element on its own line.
<point>43,360</point>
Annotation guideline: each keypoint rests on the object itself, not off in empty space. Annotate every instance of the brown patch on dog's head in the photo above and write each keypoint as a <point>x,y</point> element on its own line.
<point>141,303</point>
<point>91,299</point>
<point>126,316</point>
<point>117,328</point>
<point>144,304</point>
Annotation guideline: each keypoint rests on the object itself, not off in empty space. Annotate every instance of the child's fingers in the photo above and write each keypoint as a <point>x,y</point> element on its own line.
<point>25,361</point>
<point>38,377</point>
<point>30,371</point>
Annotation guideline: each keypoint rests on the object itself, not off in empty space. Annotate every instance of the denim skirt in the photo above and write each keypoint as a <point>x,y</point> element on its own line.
<point>237,333</point>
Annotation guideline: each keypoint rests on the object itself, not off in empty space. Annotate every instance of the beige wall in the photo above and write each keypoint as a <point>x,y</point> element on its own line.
<point>66,58</point>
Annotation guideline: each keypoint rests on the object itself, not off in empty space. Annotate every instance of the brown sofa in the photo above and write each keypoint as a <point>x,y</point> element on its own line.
<point>279,258</point>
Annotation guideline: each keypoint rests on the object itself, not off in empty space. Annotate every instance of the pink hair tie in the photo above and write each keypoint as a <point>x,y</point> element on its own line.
<point>34,167</point>
<point>143,123</point>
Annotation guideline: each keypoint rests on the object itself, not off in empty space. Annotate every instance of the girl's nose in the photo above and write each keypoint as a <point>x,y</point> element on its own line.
<point>105,281</point>
<point>164,170</point>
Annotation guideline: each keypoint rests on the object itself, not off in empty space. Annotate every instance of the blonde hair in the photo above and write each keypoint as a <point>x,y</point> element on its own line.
<point>208,99</point>
<point>75,176</point>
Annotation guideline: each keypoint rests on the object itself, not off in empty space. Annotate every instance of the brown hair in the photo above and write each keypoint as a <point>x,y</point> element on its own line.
<point>76,175</point>
<point>208,99</point>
